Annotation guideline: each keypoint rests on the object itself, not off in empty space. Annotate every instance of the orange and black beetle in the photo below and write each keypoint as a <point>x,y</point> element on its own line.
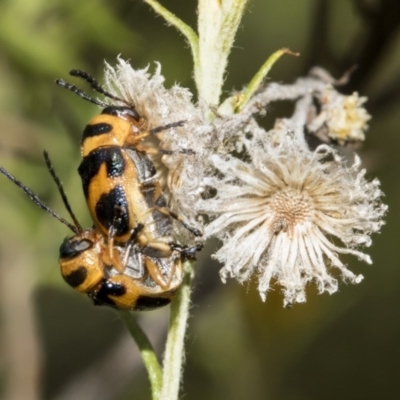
<point>119,179</point>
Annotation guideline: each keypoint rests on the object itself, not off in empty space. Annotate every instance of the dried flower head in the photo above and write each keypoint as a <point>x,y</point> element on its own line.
<point>161,106</point>
<point>344,117</point>
<point>148,94</point>
<point>276,216</point>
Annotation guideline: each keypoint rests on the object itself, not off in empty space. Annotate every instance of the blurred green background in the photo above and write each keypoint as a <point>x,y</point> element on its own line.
<point>55,345</point>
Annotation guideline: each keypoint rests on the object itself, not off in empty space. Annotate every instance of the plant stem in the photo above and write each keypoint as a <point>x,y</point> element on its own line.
<point>217,26</point>
<point>174,351</point>
<point>146,350</point>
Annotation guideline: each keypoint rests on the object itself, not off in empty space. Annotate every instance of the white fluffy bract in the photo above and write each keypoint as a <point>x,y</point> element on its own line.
<point>148,94</point>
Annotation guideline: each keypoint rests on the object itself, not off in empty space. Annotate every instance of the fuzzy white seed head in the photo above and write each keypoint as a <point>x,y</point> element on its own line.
<point>277,214</point>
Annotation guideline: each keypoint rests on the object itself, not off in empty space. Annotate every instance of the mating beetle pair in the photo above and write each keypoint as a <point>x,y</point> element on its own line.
<point>129,260</point>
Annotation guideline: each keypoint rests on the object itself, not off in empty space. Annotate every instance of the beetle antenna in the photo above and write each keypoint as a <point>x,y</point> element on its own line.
<point>95,85</point>
<point>61,190</point>
<point>80,93</point>
<point>37,200</point>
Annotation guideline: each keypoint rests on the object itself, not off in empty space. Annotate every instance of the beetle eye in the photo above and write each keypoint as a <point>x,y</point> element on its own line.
<point>121,112</point>
<point>132,113</point>
<point>72,247</point>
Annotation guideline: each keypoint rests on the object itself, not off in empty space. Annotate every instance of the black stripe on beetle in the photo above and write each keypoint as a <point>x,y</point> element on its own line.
<point>76,277</point>
<point>89,167</point>
<point>96,130</point>
<point>108,288</point>
<point>112,211</point>
<point>144,303</point>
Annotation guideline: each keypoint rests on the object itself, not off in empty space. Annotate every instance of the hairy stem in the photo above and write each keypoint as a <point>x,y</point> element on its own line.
<point>217,25</point>
<point>174,352</point>
<point>147,352</point>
